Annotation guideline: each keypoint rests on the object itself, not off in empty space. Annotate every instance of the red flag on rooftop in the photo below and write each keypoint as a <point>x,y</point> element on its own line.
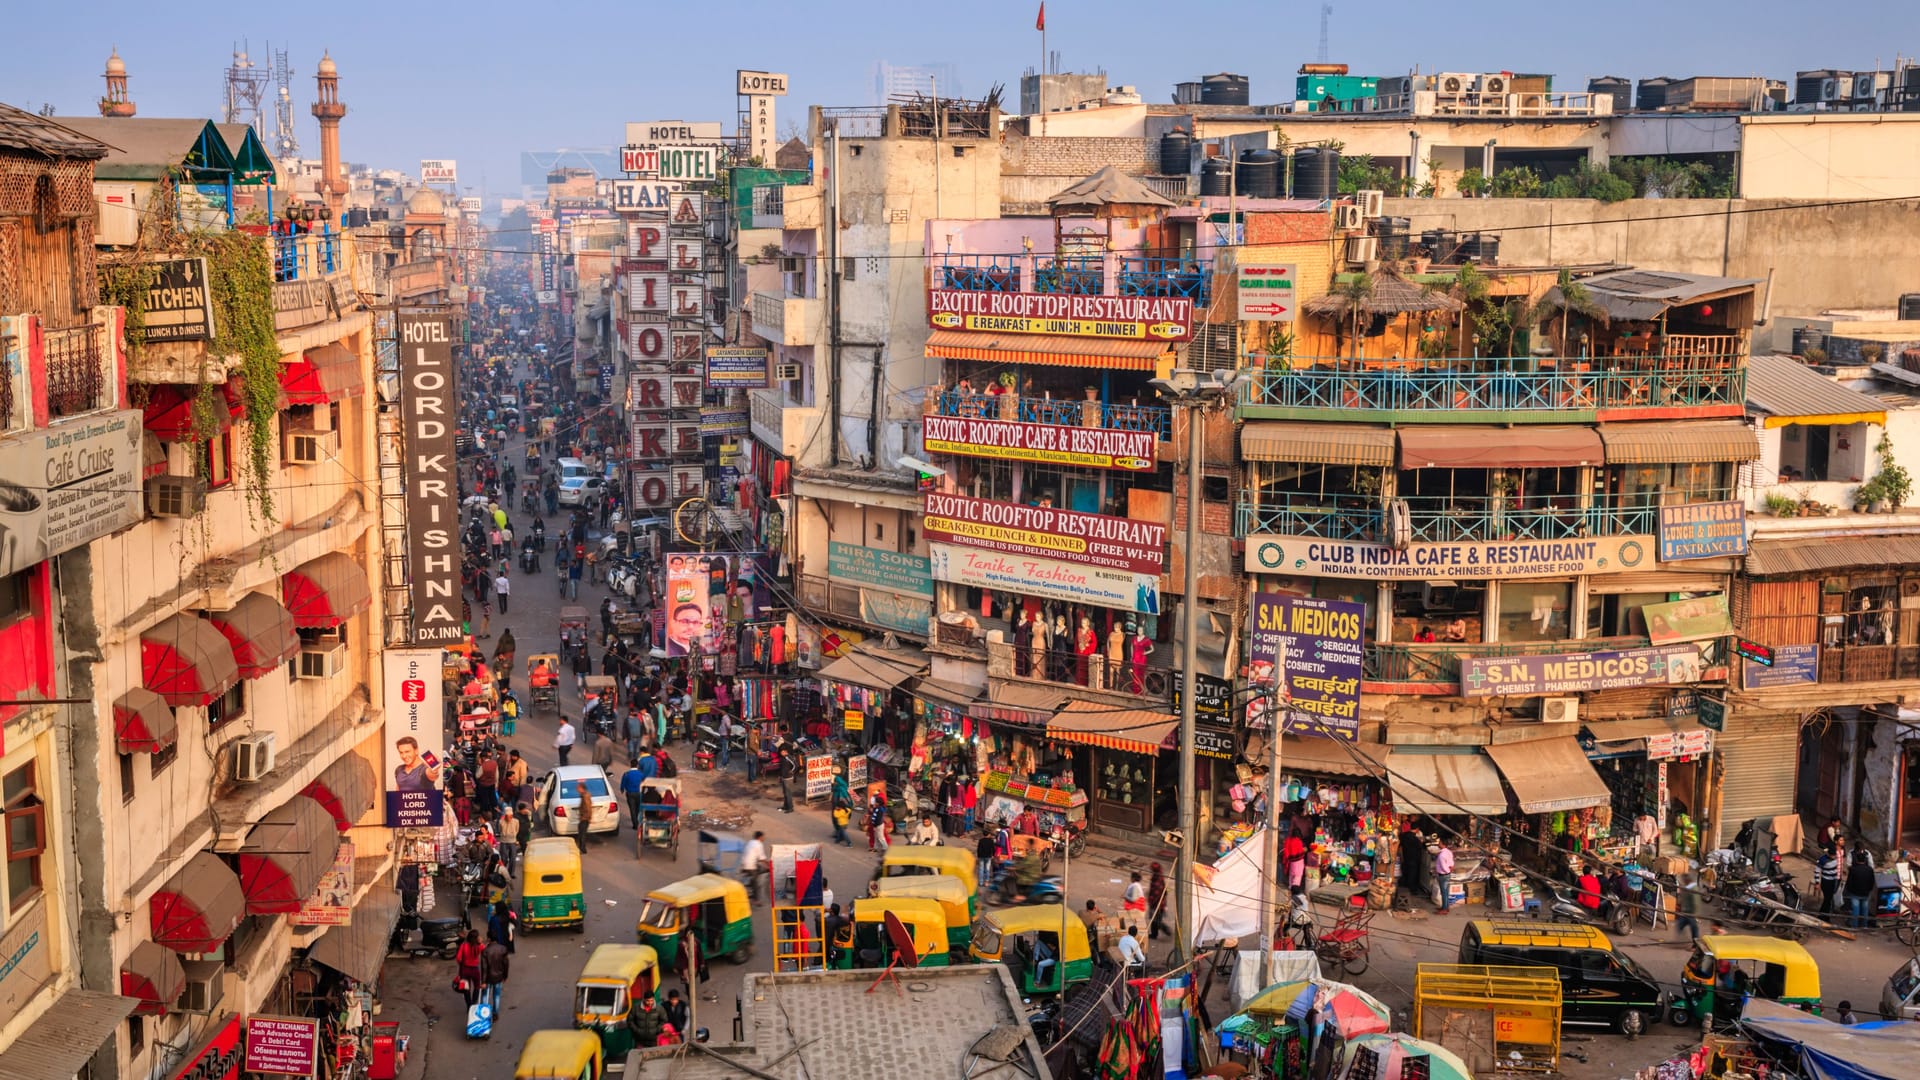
<point>1041,22</point>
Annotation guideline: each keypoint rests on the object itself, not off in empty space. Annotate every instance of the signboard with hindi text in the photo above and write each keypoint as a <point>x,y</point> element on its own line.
<point>1053,444</point>
<point>1307,652</point>
<point>1311,557</point>
<point>1134,318</point>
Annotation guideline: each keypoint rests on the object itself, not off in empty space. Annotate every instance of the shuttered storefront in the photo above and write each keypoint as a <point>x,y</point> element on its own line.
<point>1759,755</point>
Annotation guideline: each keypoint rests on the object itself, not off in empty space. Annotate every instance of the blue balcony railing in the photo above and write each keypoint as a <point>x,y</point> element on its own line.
<point>1323,517</point>
<point>1071,277</point>
<point>1063,411</point>
<point>1501,385</point>
<point>980,273</point>
<point>1166,277</point>
<point>1433,519</point>
<point>305,255</point>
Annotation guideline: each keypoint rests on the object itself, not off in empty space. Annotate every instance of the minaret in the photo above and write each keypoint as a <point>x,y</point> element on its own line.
<point>328,110</point>
<point>116,103</point>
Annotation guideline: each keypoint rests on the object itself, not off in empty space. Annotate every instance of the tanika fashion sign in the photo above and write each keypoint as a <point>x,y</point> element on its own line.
<point>1118,543</point>
<point>433,491</point>
<point>1055,444</point>
<point>1138,318</point>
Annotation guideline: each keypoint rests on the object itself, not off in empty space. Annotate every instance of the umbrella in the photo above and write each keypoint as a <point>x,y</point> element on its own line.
<point>1392,1050</point>
<point>1349,1009</point>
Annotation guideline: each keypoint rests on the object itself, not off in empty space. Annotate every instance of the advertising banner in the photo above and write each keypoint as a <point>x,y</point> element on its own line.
<point>283,1045</point>
<point>218,1058</point>
<point>1054,444</point>
<point>1567,673</point>
<point>1266,292</point>
<point>1213,696</point>
<point>819,776</point>
<point>733,366</point>
<point>1710,530</point>
<point>1309,557</point>
<point>1116,543</point>
<point>892,611</point>
<point>427,406</point>
<point>1695,619</point>
<point>89,473</point>
<point>893,570</point>
<point>1793,665</point>
<point>718,421</point>
<point>1310,650</point>
<point>696,609</point>
<point>1046,577</point>
<point>416,721</point>
<point>332,901</point>
<point>1134,318</point>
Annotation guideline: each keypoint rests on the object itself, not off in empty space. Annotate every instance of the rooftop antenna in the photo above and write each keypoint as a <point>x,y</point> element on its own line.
<point>246,85</point>
<point>286,145</point>
<point>1326,16</point>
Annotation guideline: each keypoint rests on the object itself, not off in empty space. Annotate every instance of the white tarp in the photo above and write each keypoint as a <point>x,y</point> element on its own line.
<point>1297,966</point>
<point>1226,900</point>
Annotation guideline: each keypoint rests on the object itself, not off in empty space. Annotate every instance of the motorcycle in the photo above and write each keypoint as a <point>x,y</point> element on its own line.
<point>623,579</point>
<point>1044,890</point>
<point>529,557</point>
<point>539,534</point>
<point>1563,908</point>
<point>1070,838</point>
<point>439,938</point>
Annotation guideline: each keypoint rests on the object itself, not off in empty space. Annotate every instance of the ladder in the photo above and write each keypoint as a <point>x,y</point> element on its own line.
<point>799,938</point>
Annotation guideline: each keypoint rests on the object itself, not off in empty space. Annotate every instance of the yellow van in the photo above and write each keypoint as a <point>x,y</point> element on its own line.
<point>1600,985</point>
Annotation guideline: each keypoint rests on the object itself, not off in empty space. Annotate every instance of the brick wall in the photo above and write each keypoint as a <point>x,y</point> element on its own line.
<point>1076,156</point>
<point>1289,228</point>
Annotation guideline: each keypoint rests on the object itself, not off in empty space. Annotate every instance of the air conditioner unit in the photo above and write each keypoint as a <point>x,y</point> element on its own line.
<point>792,264</point>
<point>1451,82</point>
<point>1494,84</point>
<point>1531,104</point>
<point>201,992</point>
<point>310,447</point>
<point>1362,249</point>
<point>1559,710</point>
<point>1830,90</point>
<point>1348,217</point>
<point>176,496</point>
<point>1372,202</point>
<point>323,660</point>
<point>253,757</point>
<point>1863,86</point>
<point>786,372</point>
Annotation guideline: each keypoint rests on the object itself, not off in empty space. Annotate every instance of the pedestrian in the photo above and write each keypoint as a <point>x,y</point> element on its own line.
<point>876,814</point>
<point>752,861</point>
<point>1131,953</point>
<point>1845,1014</point>
<point>563,740</point>
<point>582,665</point>
<point>1689,914</point>
<point>1157,903</point>
<point>486,785</point>
<point>510,840</point>
<point>753,753</point>
<point>925,832</point>
<point>788,765</point>
<point>630,788</point>
<point>1134,900</point>
<point>1443,875</point>
<point>500,924</point>
<point>1827,871</point>
<point>602,751</point>
<point>675,1008</point>
<point>486,615</point>
<point>726,739</point>
<point>1293,858</point>
<point>841,815</point>
<point>983,852</point>
<point>573,578</point>
<point>589,810</point>
<point>502,588</point>
<point>517,775</point>
<point>630,734</point>
<point>466,962</point>
<point>644,1021</point>
<point>1859,888</point>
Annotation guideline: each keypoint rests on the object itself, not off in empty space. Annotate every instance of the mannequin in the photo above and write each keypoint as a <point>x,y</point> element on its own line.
<point>1022,641</point>
<point>1085,648</point>
<point>1061,670</point>
<point>1116,653</point>
<point>1038,649</point>
<point>1141,647</point>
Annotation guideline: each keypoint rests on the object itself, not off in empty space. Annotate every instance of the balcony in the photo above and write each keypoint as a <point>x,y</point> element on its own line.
<point>79,375</point>
<point>1065,668</point>
<point>1051,410</point>
<point>982,273</point>
<point>785,206</point>
<point>778,425</point>
<point>1166,277</point>
<point>1439,519</point>
<point>786,320</point>
<point>1439,664</point>
<point>1503,390</point>
<point>308,255</point>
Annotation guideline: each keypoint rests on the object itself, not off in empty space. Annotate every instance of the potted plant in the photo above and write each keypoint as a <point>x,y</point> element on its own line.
<point>1782,505</point>
<point>1893,484</point>
<point>1869,495</point>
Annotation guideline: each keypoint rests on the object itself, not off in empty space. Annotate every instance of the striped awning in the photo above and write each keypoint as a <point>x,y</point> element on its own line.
<point>143,722</point>
<point>1325,444</point>
<point>260,629</point>
<point>1091,352</point>
<point>1137,731</point>
<point>1679,443</point>
<point>152,975</point>
<point>323,374</point>
<point>286,854</point>
<point>325,592</point>
<point>1550,775</point>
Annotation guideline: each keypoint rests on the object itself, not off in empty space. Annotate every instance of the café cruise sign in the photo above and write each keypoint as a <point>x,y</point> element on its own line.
<point>1134,318</point>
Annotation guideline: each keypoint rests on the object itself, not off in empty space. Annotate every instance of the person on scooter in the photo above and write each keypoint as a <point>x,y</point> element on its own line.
<point>1025,873</point>
<point>1587,891</point>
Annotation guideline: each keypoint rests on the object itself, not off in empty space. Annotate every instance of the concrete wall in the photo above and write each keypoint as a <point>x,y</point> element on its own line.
<point>1830,156</point>
<point>1819,256</point>
<point>1035,169</point>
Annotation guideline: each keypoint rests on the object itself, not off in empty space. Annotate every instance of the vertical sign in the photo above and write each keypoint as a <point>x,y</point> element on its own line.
<point>433,485</point>
<point>759,88</point>
<point>415,723</point>
<point>1309,651</point>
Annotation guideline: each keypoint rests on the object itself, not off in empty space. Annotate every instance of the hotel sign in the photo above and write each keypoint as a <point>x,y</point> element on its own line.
<point>1054,444</point>
<point>1134,318</point>
<point>433,491</point>
<point>1117,543</point>
<point>1309,557</point>
<point>1567,673</point>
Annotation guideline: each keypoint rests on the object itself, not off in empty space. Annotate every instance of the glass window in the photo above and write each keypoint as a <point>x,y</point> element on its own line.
<point>228,706</point>
<point>570,789</point>
<point>217,456</point>
<point>126,778</point>
<point>26,834</point>
<point>1438,611</point>
<point>158,761</point>
<point>1619,615</point>
<point>597,1000</point>
<point>1535,610</point>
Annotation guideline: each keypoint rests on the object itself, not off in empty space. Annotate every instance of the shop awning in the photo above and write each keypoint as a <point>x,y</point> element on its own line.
<point>152,976</point>
<point>1330,757</point>
<point>868,670</point>
<point>143,722</point>
<point>1325,444</point>
<point>326,592</point>
<point>199,907</point>
<point>1686,442</point>
<point>1018,703</point>
<point>285,855</point>
<point>1137,731</point>
<point>945,692</point>
<point>1091,352</point>
<point>1815,554</point>
<point>346,789</point>
<point>1549,775</point>
<point>1445,784</point>
<point>170,415</point>
<point>1657,738</point>
<point>186,661</point>
<point>1784,392</point>
<point>321,376</point>
<point>261,633</point>
<point>357,949</point>
<point>1444,446</point>
<point>70,1032</point>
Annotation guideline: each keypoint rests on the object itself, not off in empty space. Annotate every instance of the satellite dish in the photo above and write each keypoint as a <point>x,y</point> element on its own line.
<point>902,939</point>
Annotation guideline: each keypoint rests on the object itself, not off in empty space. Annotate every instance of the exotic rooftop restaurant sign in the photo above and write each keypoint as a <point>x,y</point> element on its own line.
<point>1015,529</point>
<point>1055,444</point>
<point>1136,318</point>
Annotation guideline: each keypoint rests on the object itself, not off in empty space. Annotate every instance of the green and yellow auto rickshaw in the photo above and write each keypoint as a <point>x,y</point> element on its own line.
<point>872,948</point>
<point>561,1055</point>
<point>715,908</point>
<point>904,860</point>
<point>948,891</point>
<point>1727,969</point>
<point>550,890</point>
<point>1044,946</point>
<point>615,978</point>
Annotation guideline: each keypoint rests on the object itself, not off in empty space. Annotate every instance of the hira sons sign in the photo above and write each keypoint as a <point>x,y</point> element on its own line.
<point>1136,318</point>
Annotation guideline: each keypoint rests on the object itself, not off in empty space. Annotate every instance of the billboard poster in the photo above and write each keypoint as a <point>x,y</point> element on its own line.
<point>91,465</point>
<point>1134,318</point>
<point>1793,665</point>
<point>1709,530</point>
<point>1310,650</point>
<point>1310,557</point>
<point>416,722</point>
<point>689,604</point>
<point>1053,444</point>
<point>732,366</point>
<point>427,405</point>
<point>1566,673</point>
<point>332,901</point>
<point>893,570</point>
<point>1045,577</point>
<point>1695,619</point>
<point>892,611</point>
<point>439,171</point>
<point>1115,543</point>
<point>283,1045</point>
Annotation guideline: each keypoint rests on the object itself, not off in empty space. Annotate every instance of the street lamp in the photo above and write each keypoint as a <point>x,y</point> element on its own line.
<point>1196,392</point>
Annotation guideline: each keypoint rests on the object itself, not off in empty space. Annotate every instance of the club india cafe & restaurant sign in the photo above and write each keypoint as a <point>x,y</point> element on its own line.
<point>1309,557</point>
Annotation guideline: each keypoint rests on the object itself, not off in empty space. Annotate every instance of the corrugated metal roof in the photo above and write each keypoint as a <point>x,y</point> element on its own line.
<point>22,130</point>
<point>1783,386</point>
<point>1814,554</point>
<point>1644,294</point>
<point>59,1043</point>
<point>1327,444</point>
<point>1686,441</point>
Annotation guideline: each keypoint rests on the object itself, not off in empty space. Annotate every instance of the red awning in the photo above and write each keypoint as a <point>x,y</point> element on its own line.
<point>326,592</point>
<point>143,722</point>
<point>346,789</point>
<point>169,412</point>
<point>321,376</point>
<point>197,910</point>
<point>154,976</point>
<point>261,633</point>
<point>187,662</point>
<point>285,855</point>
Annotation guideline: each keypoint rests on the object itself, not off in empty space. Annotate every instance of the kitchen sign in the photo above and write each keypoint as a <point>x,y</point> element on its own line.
<point>1017,529</point>
<point>179,307</point>
<point>1569,673</point>
<point>1053,444</point>
<point>1311,557</point>
<point>1266,292</point>
<point>1134,318</point>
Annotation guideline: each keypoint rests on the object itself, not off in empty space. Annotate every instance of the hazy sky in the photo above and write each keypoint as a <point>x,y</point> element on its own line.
<point>480,81</point>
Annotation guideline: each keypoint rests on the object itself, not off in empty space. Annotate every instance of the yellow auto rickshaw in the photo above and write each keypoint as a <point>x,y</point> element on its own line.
<point>1726,969</point>
<point>1044,946</point>
<point>550,890</point>
<point>716,909</point>
<point>909,860</point>
<point>561,1055</point>
<point>616,976</point>
<point>943,889</point>
<point>872,948</point>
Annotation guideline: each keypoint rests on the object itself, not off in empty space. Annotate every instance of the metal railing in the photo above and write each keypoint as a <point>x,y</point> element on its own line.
<point>1072,277</point>
<point>1190,278</point>
<point>1324,517</point>
<point>1440,662</point>
<point>76,371</point>
<point>1064,667</point>
<point>769,200</point>
<point>1494,385</point>
<point>1050,410</point>
<point>770,311</point>
<point>1443,519</point>
<point>305,255</point>
<point>980,273</point>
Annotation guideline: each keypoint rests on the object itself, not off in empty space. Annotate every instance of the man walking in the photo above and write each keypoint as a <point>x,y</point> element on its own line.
<point>563,740</point>
<point>1443,875</point>
<point>753,753</point>
<point>503,588</point>
<point>726,738</point>
<point>786,766</point>
<point>493,973</point>
<point>752,860</point>
<point>630,787</point>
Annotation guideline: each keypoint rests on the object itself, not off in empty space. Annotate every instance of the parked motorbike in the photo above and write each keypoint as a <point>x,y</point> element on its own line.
<point>438,937</point>
<point>1071,838</point>
<point>1613,915</point>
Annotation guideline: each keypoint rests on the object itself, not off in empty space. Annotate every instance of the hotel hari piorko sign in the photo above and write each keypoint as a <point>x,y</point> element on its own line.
<point>1134,318</point>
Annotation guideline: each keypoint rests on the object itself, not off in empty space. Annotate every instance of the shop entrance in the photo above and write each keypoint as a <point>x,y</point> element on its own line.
<point>1910,795</point>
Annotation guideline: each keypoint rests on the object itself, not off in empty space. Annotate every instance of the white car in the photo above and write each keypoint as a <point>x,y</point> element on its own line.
<point>559,800</point>
<point>581,490</point>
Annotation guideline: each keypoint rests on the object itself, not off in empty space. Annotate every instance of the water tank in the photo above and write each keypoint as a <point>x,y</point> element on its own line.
<point>1808,337</point>
<point>1652,95</point>
<point>1216,177</point>
<point>1176,153</point>
<point>1480,248</point>
<point>1225,89</point>
<point>1258,176</point>
<point>1910,306</point>
<point>1394,234</point>
<point>1316,173</point>
<point>1619,89</point>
